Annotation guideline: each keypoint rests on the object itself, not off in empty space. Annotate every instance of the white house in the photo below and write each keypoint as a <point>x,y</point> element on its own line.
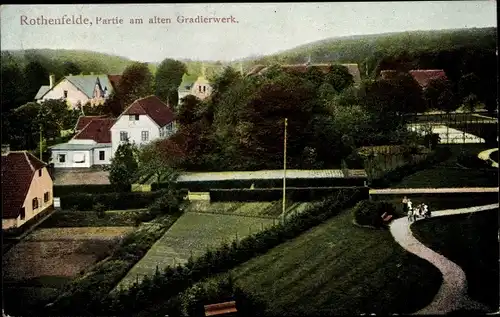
<point>145,120</point>
<point>90,146</point>
<point>78,90</point>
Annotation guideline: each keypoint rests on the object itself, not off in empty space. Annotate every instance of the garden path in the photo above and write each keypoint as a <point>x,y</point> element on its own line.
<point>452,294</point>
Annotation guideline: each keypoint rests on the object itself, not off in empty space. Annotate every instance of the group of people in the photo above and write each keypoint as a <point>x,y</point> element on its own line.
<point>420,211</point>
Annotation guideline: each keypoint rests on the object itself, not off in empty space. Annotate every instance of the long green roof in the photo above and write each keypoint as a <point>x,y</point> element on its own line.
<point>86,83</point>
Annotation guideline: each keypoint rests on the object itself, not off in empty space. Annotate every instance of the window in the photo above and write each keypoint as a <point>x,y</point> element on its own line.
<point>204,88</point>
<point>123,136</point>
<point>133,117</point>
<point>145,135</point>
<point>79,157</point>
<point>65,94</point>
<point>62,158</point>
<point>34,203</point>
<point>101,155</point>
<point>40,173</point>
<point>136,117</point>
<point>23,213</point>
<point>199,88</point>
<point>162,133</point>
<point>46,197</point>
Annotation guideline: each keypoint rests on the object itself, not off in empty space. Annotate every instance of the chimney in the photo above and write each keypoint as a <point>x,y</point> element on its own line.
<point>5,149</point>
<point>52,79</point>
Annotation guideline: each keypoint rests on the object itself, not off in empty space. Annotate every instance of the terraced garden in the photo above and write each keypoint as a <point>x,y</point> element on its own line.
<point>272,209</point>
<point>47,259</point>
<point>195,232</point>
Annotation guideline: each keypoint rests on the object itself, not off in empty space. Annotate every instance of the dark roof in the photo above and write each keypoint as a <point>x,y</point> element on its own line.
<point>84,120</point>
<point>424,76</point>
<point>152,106</point>
<point>97,130</point>
<point>18,169</point>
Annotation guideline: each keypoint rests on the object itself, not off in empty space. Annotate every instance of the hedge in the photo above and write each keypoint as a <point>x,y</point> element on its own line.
<point>110,201</point>
<point>172,281</point>
<point>369,213</point>
<point>205,186</point>
<point>270,194</point>
<point>437,156</point>
<point>64,190</point>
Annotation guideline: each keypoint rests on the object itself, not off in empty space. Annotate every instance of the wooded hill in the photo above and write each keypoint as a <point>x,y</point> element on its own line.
<point>370,51</point>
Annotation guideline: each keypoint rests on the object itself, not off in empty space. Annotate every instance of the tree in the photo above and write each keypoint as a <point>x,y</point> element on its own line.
<point>136,83</point>
<point>339,77</point>
<point>188,110</point>
<point>124,168</point>
<point>439,95</point>
<point>168,78</point>
<point>160,158</point>
<point>71,68</point>
<point>35,75</point>
<point>12,84</point>
<point>222,82</point>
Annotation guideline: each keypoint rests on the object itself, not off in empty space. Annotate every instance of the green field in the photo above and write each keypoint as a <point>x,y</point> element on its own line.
<point>338,268</point>
<point>192,234</point>
<point>450,174</point>
<point>265,209</point>
<point>471,241</point>
<point>115,218</point>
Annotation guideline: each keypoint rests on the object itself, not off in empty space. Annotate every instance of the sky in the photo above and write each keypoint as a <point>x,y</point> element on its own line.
<point>255,28</point>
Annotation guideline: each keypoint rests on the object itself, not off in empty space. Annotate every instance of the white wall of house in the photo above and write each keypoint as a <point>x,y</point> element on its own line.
<point>99,153</point>
<point>72,158</point>
<point>82,141</point>
<point>74,95</point>
<point>135,129</point>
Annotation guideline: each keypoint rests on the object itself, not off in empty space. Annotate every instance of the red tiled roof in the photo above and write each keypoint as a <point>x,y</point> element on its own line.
<point>97,130</point>
<point>424,76</point>
<point>114,79</point>
<point>84,120</point>
<point>18,169</point>
<point>152,106</point>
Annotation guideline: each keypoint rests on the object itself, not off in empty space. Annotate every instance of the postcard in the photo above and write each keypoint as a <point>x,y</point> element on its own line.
<point>250,159</point>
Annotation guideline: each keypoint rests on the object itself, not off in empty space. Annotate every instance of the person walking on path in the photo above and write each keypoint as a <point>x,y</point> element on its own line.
<point>405,204</point>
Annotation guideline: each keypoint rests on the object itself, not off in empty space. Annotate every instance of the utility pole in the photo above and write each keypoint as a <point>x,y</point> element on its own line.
<point>41,145</point>
<point>284,175</point>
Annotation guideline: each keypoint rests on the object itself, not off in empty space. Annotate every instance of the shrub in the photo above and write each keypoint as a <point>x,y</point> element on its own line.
<point>111,201</point>
<point>369,213</point>
<point>64,190</point>
<point>100,210</point>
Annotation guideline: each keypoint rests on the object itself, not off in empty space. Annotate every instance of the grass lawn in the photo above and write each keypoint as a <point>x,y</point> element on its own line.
<point>193,233</point>
<point>338,268</point>
<point>116,218</point>
<point>266,209</point>
<point>449,174</point>
<point>471,241</point>
<point>487,131</point>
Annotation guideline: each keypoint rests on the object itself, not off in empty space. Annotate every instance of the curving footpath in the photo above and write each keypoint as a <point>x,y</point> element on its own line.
<point>452,294</point>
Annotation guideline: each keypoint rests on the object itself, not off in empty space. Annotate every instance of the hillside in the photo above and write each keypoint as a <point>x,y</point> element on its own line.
<point>368,50</point>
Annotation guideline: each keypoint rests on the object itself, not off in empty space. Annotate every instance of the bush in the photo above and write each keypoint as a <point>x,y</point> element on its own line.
<point>64,190</point>
<point>100,210</point>
<point>110,201</point>
<point>369,213</point>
